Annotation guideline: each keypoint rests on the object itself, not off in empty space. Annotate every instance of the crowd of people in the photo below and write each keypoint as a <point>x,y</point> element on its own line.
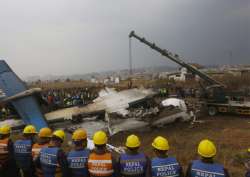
<point>46,158</point>
<point>68,97</point>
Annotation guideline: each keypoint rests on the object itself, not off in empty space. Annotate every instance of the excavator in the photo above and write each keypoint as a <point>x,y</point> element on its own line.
<point>217,99</point>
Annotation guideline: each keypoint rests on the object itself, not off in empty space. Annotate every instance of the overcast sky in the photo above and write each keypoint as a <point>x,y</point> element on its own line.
<point>40,37</point>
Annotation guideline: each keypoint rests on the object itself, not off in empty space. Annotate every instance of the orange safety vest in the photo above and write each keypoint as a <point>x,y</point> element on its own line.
<point>36,148</point>
<point>100,164</point>
<point>4,152</point>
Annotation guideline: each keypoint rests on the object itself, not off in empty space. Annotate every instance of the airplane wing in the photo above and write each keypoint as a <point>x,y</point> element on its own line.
<point>27,107</point>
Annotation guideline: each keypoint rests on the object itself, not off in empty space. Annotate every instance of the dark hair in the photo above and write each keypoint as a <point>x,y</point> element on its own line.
<point>3,136</point>
<point>133,148</point>
<point>55,138</point>
<point>161,151</point>
<point>29,134</point>
<point>100,146</point>
<point>78,142</point>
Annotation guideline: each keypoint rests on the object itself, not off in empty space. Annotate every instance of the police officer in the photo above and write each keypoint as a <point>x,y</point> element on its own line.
<point>52,159</point>
<point>23,154</point>
<point>44,137</point>
<point>77,158</point>
<point>132,163</point>
<point>8,166</point>
<point>101,162</point>
<point>163,165</point>
<point>206,166</point>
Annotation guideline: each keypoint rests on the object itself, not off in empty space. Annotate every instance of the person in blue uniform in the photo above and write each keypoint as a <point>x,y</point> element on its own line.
<point>162,165</point>
<point>52,160</point>
<point>206,165</point>
<point>78,158</point>
<point>23,151</point>
<point>133,163</point>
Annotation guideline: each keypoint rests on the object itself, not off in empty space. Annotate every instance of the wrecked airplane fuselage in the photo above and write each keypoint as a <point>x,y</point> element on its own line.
<point>120,111</point>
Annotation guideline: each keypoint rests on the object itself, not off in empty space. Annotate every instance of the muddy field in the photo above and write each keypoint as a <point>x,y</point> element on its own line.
<point>231,135</point>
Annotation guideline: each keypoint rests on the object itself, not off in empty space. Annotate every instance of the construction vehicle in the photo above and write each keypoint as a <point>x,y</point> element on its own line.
<point>217,99</point>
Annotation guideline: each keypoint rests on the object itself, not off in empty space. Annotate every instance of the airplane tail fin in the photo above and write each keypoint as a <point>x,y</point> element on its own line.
<point>27,107</point>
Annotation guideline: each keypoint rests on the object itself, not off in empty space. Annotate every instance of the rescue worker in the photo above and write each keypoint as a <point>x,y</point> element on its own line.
<point>132,163</point>
<point>206,166</point>
<point>8,166</point>
<point>23,153</point>
<point>43,141</point>
<point>52,160</point>
<point>77,158</point>
<point>101,162</point>
<point>163,165</point>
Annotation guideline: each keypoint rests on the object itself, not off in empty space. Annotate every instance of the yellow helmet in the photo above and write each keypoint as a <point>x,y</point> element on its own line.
<point>4,130</point>
<point>206,149</point>
<point>79,134</point>
<point>29,129</point>
<point>248,150</point>
<point>100,138</point>
<point>45,133</point>
<point>59,134</point>
<point>160,143</point>
<point>133,141</point>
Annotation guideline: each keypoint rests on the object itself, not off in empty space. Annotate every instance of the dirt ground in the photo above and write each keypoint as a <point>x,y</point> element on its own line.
<point>230,133</point>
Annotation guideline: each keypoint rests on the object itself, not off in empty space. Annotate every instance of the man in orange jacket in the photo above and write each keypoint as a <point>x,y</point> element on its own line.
<point>8,166</point>
<point>101,162</point>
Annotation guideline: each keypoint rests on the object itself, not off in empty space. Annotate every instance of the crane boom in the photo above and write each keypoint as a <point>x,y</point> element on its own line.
<point>175,58</point>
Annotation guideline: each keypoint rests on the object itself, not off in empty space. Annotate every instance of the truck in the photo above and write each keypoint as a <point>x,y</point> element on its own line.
<point>214,94</point>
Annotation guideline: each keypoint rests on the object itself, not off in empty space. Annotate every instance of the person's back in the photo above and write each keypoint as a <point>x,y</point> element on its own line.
<point>206,166</point>
<point>43,141</point>
<point>78,157</point>
<point>165,166</point>
<point>162,165</point>
<point>77,160</point>
<point>8,166</point>
<point>49,162</point>
<point>52,159</point>
<point>202,168</point>
<point>100,161</point>
<point>100,164</point>
<point>23,151</point>
<point>133,163</point>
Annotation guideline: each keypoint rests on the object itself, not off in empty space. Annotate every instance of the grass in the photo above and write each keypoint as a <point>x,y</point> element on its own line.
<point>230,134</point>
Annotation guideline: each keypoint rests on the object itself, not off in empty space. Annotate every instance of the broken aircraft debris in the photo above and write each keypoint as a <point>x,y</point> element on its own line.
<point>112,110</point>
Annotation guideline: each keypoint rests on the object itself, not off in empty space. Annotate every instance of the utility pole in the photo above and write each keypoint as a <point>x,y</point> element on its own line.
<point>130,57</point>
<point>230,57</point>
<point>130,64</point>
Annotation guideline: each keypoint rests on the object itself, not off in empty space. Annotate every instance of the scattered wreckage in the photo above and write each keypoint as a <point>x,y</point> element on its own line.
<point>114,111</point>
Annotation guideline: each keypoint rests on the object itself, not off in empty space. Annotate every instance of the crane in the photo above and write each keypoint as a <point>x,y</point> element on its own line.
<point>215,94</point>
<point>175,58</point>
